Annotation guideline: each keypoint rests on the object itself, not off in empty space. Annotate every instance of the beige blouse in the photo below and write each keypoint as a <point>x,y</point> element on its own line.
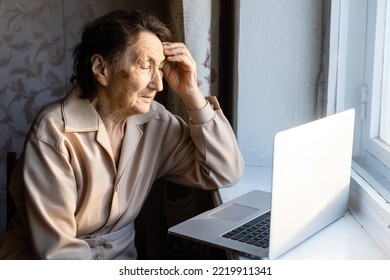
<point>72,201</point>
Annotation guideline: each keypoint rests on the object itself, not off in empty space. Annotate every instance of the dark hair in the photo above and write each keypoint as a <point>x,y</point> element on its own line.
<point>108,36</point>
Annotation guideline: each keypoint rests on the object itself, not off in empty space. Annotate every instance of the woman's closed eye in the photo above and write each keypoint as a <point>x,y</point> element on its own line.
<point>145,66</point>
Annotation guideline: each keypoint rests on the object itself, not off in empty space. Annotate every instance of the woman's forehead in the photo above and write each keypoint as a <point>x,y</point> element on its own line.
<point>146,47</point>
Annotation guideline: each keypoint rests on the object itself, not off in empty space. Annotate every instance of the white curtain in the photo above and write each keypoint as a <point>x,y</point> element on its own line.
<point>195,22</point>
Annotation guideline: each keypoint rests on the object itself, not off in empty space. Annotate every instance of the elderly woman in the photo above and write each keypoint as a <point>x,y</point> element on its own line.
<point>91,158</point>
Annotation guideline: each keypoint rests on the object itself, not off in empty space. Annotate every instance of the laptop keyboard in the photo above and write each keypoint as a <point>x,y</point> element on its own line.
<point>255,232</point>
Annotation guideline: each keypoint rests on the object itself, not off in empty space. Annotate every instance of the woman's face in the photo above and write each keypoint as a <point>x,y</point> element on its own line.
<point>137,76</point>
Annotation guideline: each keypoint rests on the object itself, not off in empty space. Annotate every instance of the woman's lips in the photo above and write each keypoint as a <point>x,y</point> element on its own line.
<point>148,98</point>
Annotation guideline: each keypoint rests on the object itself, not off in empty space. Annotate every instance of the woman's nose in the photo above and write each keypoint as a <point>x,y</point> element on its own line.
<point>156,80</point>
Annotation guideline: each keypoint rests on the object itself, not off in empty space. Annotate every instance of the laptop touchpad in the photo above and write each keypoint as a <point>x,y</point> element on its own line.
<point>234,212</point>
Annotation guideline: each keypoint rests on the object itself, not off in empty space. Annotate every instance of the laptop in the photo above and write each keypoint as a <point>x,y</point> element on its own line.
<point>310,189</point>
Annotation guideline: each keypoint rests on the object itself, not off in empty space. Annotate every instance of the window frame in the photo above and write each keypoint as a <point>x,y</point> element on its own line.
<point>378,12</point>
<point>371,156</point>
<point>347,86</point>
<point>384,115</point>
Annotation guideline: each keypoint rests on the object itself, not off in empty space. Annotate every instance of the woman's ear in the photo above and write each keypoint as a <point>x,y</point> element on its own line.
<point>99,69</point>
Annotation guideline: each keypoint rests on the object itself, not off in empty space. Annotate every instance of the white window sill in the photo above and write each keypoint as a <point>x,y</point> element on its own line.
<point>370,209</point>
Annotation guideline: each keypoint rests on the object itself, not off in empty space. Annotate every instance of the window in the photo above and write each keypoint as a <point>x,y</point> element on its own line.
<point>377,78</point>
<point>384,120</point>
<point>360,48</point>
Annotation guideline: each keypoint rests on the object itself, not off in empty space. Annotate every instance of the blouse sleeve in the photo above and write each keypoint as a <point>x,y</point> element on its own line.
<point>209,156</point>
